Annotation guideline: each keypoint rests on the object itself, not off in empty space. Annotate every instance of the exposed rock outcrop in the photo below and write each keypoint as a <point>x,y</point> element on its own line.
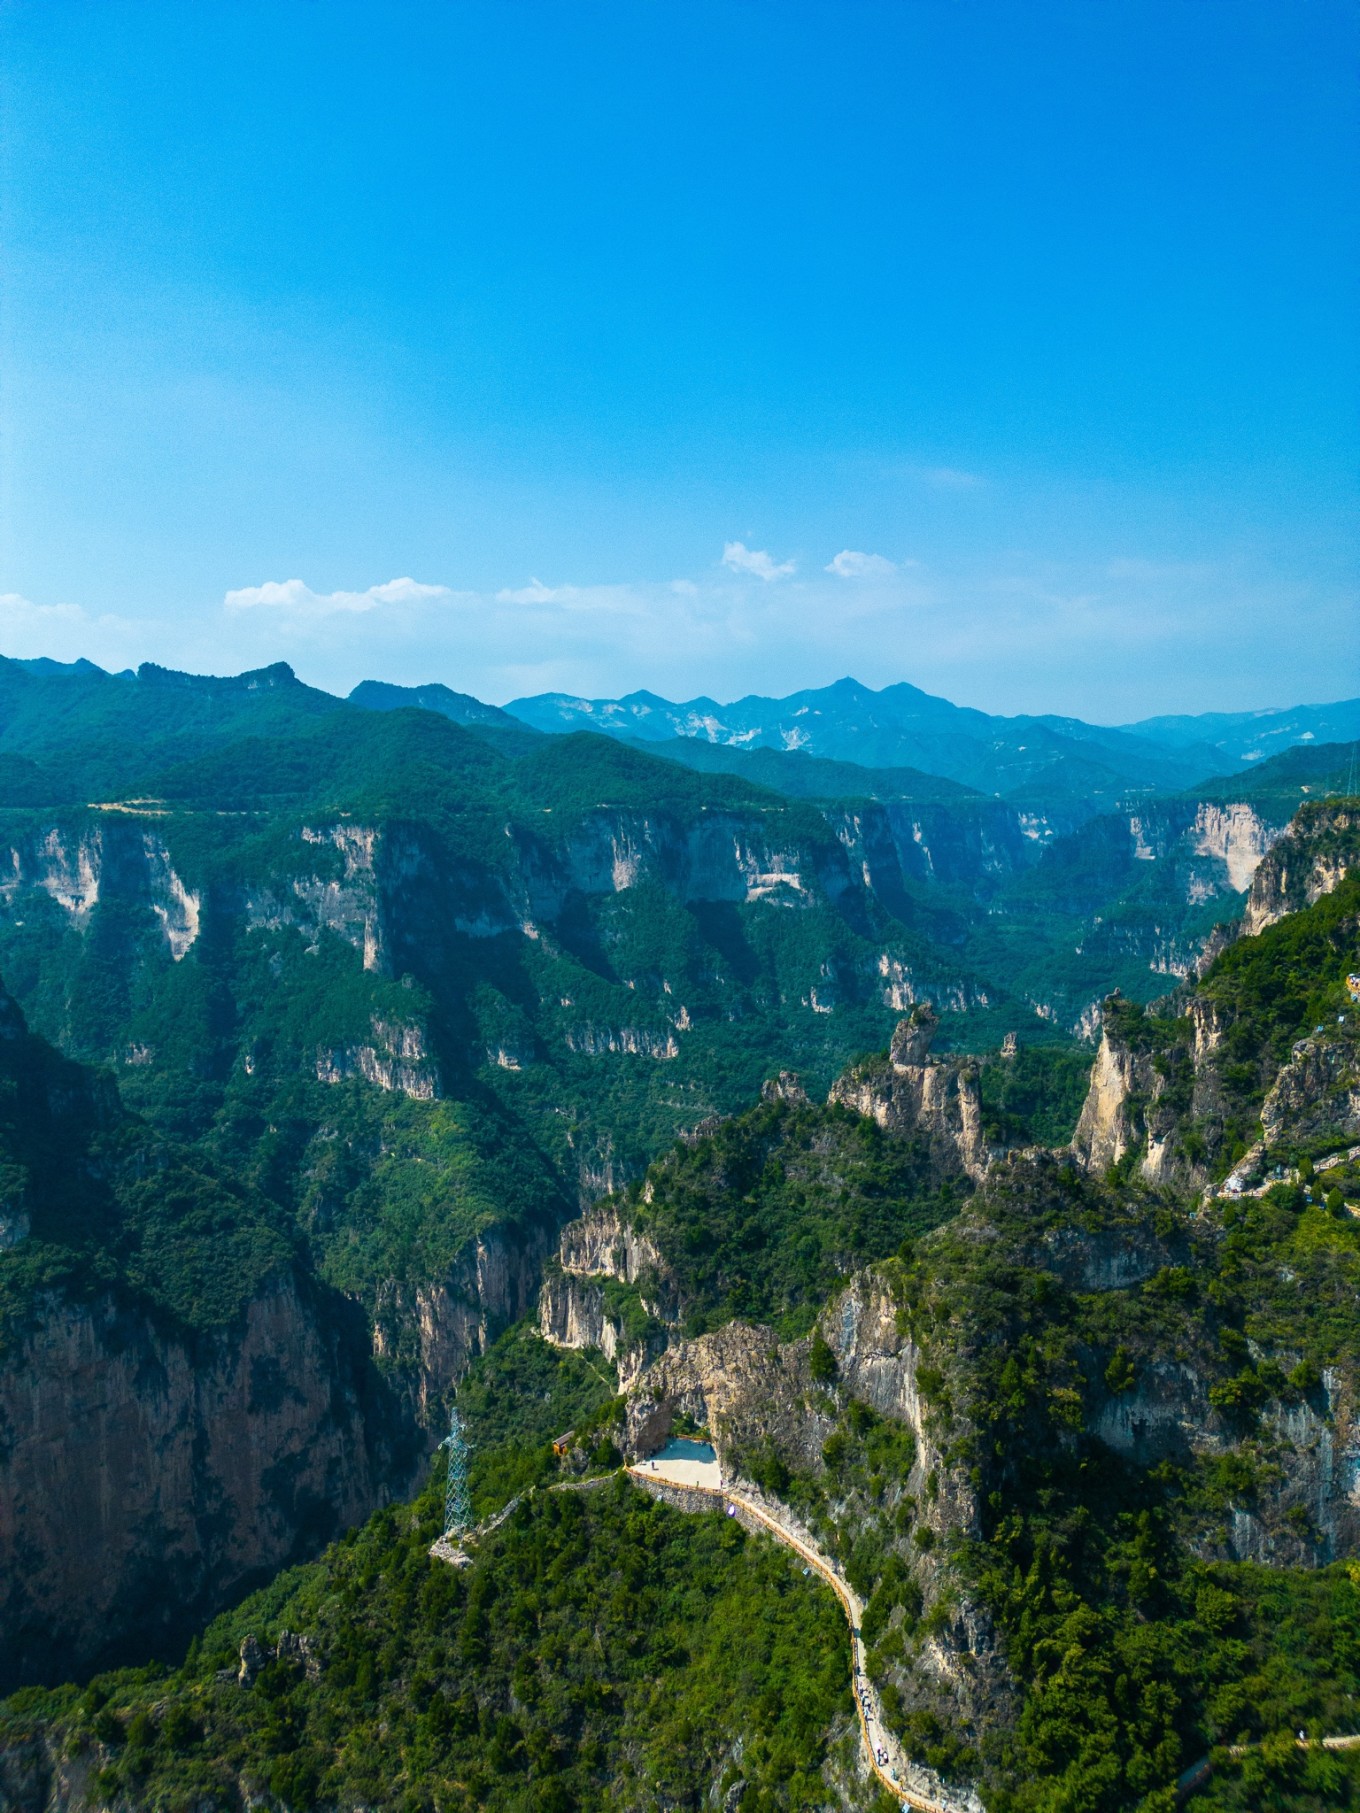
<point>1317,1092</point>
<point>574,1308</point>
<point>1320,849</point>
<point>146,1479</point>
<point>428,1334</point>
<point>740,1385</point>
<point>574,1312</point>
<point>917,1093</point>
<point>1237,836</point>
<point>786,1087</point>
<point>1307,1510</point>
<point>1140,1089</point>
<point>398,1059</point>
<point>638,1041</point>
<point>601,1244</point>
<point>77,863</point>
<point>1105,1128</point>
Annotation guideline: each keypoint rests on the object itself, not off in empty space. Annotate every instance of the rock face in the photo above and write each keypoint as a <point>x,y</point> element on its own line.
<point>1152,1081</point>
<point>1125,1104</point>
<point>574,1312</point>
<point>1316,1092</point>
<point>398,1059</point>
<point>1315,856</point>
<point>573,1304</point>
<point>74,865</point>
<point>751,1393</point>
<point>1237,836</point>
<point>1310,1513</point>
<point>602,1244</point>
<point>739,1384</point>
<point>918,1093</point>
<point>974,847</point>
<point>146,1480</point>
<point>429,1334</point>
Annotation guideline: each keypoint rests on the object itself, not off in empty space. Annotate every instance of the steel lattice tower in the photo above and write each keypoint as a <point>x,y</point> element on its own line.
<point>457,1508</point>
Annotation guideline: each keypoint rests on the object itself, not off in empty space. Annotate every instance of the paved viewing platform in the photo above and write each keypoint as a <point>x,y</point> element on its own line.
<point>684,1463</point>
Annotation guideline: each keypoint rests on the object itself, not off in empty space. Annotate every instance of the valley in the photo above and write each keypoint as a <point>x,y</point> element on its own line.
<point>623,1084</point>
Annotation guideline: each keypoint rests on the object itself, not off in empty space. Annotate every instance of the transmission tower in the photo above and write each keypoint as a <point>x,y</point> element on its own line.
<point>457,1508</point>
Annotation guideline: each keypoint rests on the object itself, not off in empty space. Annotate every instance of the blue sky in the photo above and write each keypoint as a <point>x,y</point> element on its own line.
<point>1009,349</point>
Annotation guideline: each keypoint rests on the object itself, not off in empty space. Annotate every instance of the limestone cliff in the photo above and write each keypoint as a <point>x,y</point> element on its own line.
<point>76,863</point>
<point>147,1479</point>
<point>1127,1102</point>
<point>1321,847</point>
<point>576,1312</point>
<point>427,1334</point>
<point>397,1059</point>
<point>1176,1085</point>
<point>577,1309</point>
<point>1316,1092</point>
<point>914,1092</point>
<point>603,1244</point>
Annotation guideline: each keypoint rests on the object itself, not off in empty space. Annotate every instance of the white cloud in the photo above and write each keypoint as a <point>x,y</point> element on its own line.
<point>66,632</point>
<point>537,593</point>
<point>742,559</point>
<point>293,597</point>
<point>18,613</point>
<point>849,564</point>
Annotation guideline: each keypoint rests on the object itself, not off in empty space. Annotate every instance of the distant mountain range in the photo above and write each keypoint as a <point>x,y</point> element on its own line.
<point>844,740</point>
<point>1019,758</point>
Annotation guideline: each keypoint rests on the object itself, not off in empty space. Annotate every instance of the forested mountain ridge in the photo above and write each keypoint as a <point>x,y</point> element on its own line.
<point>1087,1448</point>
<point>160,1331</point>
<point>1027,897</point>
<point>1122,1397</point>
<point>366,1006</point>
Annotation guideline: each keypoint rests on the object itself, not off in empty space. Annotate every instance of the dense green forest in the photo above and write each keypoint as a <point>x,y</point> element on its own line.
<point>760,1219</point>
<point>606,1652</point>
<point>603,1650</point>
<point>368,1004</point>
<point>94,1201</point>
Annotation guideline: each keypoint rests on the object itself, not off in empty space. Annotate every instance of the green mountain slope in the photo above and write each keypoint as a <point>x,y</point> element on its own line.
<point>1284,782</point>
<point>412,990</point>
<point>609,1652</point>
<point>1084,1447</point>
<point>97,732</point>
<point>760,1218</point>
<point>799,775</point>
<point>91,1201</point>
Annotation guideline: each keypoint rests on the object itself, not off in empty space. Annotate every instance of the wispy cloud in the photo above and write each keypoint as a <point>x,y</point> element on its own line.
<point>1011,632</point>
<point>65,632</point>
<point>850,564</point>
<point>294,597</point>
<point>20,613</point>
<point>949,478</point>
<point>537,593</point>
<point>756,561</point>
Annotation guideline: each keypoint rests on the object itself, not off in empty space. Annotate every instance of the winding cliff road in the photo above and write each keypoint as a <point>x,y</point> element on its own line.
<point>885,1756</point>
